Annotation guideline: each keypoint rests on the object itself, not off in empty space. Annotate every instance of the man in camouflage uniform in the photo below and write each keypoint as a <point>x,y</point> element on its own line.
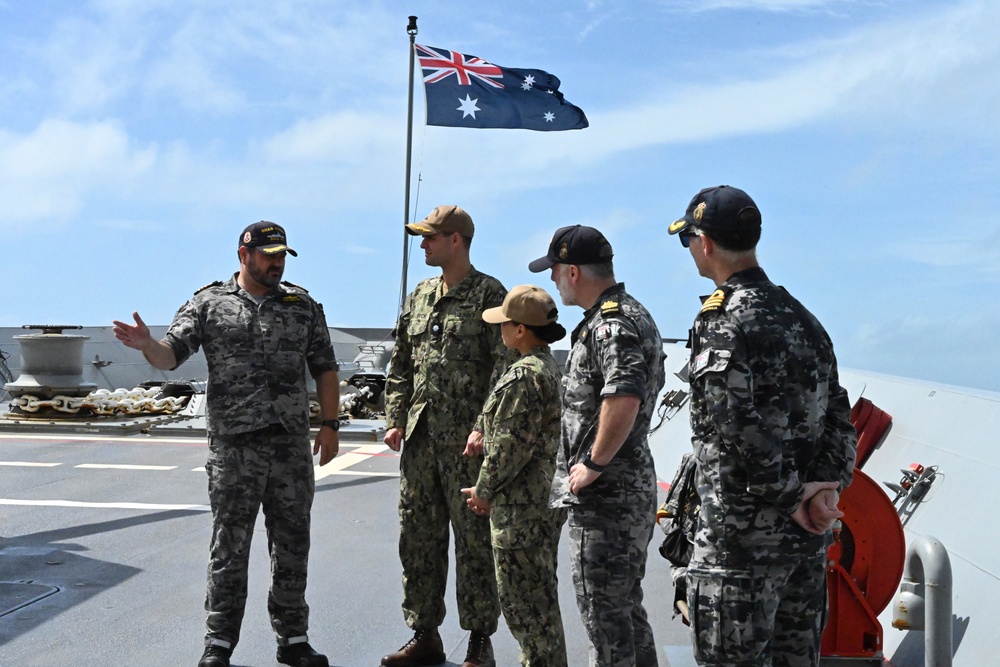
<point>521,417</point>
<point>604,471</point>
<point>773,443</point>
<point>259,336</point>
<point>441,369</point>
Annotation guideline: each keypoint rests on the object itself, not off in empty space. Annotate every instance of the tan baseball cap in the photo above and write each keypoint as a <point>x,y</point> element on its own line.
<point>448,219</point>
<point>525,304</point>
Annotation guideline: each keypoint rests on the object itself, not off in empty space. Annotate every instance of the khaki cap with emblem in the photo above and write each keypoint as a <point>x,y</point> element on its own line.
<point>449,219</point>
<point>524,304</point>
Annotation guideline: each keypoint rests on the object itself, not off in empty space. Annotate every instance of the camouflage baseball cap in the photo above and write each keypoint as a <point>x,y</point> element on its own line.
<point>575,244</point>
<point>268,237</point>
<point>448,219</point>
<point>525,304</point>
<point>727,214</point>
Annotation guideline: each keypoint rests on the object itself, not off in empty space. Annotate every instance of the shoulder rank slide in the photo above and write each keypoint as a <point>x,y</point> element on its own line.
<point>285,282</point>
<point>610,308</point>
<point>212,284</point>
<point>715,301</point>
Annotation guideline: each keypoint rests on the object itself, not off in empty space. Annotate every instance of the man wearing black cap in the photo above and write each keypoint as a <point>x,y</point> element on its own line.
<point>773,442</point>
<point>604,469</point>
<point>259,335</point>
<point>444,363</point>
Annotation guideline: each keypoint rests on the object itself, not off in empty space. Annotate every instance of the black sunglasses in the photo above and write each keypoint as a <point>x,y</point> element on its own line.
<point>686,237</point>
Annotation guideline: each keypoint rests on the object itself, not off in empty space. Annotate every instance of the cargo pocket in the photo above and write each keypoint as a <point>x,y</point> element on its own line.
<point>721,603</point>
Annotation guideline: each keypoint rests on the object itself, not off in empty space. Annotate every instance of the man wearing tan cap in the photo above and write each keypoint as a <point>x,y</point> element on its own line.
<point>443,365</point>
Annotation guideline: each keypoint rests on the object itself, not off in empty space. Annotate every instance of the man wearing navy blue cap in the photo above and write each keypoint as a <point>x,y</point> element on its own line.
<point>773,443</point>
<point>604,469</point>
<point>259,336</point>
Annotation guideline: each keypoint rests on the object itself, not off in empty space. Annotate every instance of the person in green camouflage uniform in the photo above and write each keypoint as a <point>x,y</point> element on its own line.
<point>773,442</point>
<point>521,417</point>
<point>604,470</point>
<point>259,336</point>
<point>443,364</point>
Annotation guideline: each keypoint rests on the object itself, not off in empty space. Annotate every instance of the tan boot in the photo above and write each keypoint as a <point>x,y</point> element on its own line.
<point>480,653</point>
<point>423,650</point>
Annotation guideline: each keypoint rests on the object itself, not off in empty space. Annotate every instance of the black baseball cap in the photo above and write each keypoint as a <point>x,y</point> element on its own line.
<point>268,237</point>
<point>727,214</point>
<point>575,244</point>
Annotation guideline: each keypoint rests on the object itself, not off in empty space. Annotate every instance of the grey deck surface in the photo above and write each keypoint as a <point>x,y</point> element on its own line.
<point>120,579</point>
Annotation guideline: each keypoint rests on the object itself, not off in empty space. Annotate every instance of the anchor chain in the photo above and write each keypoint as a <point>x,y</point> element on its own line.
<point>105,402</point>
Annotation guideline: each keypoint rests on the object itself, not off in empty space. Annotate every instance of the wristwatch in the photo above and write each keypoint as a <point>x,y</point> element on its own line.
<point>332,423</point>
<point>589,463</point>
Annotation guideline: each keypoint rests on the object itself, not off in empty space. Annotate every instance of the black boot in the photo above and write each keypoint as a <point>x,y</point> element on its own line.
<point>215,656</point>
<point>301,655</point>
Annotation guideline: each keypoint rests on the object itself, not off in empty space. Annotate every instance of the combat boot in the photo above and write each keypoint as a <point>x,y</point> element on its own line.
<point>215,656</point>
<point>480,653</point>
<point>423,650</point>
<point>301,655</point>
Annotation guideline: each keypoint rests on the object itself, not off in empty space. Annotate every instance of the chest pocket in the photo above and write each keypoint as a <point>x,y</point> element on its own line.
<point>462,338</point>
<point>709,361</point>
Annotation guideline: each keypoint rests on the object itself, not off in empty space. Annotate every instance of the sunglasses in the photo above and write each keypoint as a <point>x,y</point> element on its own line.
<point>686,237</point>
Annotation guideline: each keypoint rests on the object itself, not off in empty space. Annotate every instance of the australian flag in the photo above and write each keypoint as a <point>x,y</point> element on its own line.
<point>466,91</point>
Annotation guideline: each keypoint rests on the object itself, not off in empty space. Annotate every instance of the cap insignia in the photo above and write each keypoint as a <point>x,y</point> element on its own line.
<point>246,237</point>
<point>699,211</point>
<point>563,252</point>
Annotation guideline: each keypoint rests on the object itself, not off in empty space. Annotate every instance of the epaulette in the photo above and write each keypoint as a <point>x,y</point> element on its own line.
<point>716,300</point>
<point>610,307</point>
<point>213,284</point>
<point>288,284</point>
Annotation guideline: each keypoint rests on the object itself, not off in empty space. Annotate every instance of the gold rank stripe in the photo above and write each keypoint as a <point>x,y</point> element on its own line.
<point>610,307</point>
<point>714,302</point>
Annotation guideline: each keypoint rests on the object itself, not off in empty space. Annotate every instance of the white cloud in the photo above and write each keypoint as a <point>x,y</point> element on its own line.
<point>54,168</point>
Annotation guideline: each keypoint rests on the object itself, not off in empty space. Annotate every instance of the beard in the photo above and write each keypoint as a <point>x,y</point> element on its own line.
<point>269,277</point>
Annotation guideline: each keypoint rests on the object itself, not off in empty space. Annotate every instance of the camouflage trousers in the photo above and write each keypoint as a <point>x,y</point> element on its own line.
<point>432,472</point>
<point>608,548</point>
<point>274,470</point>
<point>526,552</point>
<point>768,615</point>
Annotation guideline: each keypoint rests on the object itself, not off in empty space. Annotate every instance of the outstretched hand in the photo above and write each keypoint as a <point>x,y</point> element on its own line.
<point>137,337</point>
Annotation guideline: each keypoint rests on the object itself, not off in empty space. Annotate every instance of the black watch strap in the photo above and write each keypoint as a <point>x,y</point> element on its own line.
<point>332,423</point>
<point>589,463</point>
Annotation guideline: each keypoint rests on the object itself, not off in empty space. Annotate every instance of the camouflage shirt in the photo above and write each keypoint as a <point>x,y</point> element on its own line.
<point>616,350</point>
<point>521,419</point>
<point>443,362</point>
<point>767,414</point>
<point>257,354</point>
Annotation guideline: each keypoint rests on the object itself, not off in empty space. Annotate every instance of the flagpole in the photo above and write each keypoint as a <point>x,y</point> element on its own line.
<point>411,30</point>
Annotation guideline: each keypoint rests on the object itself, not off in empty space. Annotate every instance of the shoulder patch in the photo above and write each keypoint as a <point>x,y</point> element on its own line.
<point>610,307</point>
<point>288,284</point>
<point>715,301</point>
<point>212,284</point>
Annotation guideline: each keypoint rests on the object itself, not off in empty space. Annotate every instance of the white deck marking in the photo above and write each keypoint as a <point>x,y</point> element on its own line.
<point>29,464</point>
<point>120,506</point>
<point>347,459</point>
<point>121,466</point>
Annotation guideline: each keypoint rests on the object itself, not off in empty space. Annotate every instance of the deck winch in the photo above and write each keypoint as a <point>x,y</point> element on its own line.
<point>51,365</point>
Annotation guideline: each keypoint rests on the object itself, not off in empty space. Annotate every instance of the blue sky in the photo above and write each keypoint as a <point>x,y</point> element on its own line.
<point>138,138</point>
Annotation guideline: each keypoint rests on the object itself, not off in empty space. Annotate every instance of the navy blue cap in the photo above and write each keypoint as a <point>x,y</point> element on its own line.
<point>575,244</point>
<point>726,214</point>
